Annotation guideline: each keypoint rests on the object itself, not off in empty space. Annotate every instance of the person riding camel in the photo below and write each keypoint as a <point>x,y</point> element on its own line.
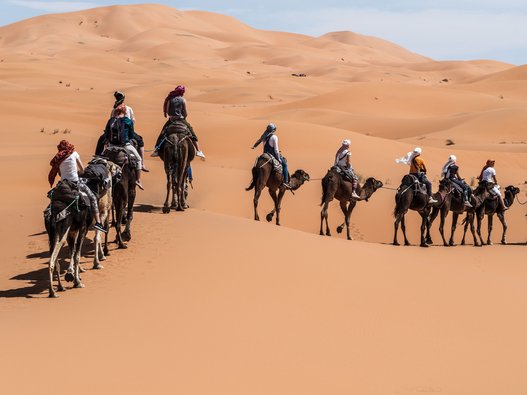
<point>118,132</point>
<point>488,175</point>
<point>450,171</point>
<point>418,170</point>
<point>270,140</point>
<point>343,162</point>
<point>119,99</point>
<point>67,163</point>
<point>175,106</point>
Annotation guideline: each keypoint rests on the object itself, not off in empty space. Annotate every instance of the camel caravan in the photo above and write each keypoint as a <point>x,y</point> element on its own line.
<point>103,193</point>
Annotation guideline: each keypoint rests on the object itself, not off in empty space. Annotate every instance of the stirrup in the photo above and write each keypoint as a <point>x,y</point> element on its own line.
<point>155,154</point>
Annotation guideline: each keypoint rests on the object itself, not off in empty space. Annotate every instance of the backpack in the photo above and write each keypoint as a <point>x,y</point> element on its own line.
<point>116,131</point>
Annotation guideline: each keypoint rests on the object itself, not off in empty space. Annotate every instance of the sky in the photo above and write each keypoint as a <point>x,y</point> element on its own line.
<point>442,30</point>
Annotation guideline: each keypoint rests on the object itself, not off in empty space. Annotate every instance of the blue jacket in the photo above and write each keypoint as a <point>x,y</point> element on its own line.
<point>119,131</point>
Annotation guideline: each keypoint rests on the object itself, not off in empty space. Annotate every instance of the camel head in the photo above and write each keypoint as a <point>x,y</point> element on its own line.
<point>369,187</point>
<point>512,190</point>
<point>301,176</point>
<point>445,185</point>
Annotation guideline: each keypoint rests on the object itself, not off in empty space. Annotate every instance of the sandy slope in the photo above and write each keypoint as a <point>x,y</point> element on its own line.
<point>210,302</point>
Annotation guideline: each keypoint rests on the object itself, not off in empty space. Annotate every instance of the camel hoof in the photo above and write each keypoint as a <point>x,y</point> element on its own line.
<point>490,243</point>
<point>328,233</point>
<point>339,229</point>
<point>424,245</point>
<point>349,238</point>
<point>69,277</point>
<point>395,243</point>
<point>98,267</point>
<point>180,209</point>
<point>504,242</point>
<point>269,217</point>
<point>106,252</point>
<point>61,289</point>
<point>407,244</point>
<point>166,210</point>
<point>53,295</point>
<point>123,247</point>
<point>81,269</point>
<point>126,236</point>
<point>429,241</point>
<point>78,285</point>
<point>446,244</point>
<point>103,258</point>
<point>321,233</point>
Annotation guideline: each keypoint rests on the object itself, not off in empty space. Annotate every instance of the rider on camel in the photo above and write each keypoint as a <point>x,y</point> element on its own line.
<point>119,132</point>
<point>270,140</point>
<point>450,171</point>
<point>418,170</point>
<point>119,99</point>
<point>175,106</point>
<point>67,163</point>
<point>343,162</point>
<point>488,175</point>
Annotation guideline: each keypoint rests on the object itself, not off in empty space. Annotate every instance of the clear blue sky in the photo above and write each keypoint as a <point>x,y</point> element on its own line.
<point>443,30</point>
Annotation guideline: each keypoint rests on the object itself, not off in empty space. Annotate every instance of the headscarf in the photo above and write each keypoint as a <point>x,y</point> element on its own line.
<point>178,91</point>
<point>451,161</point>
<point>269,130</point>
<point>119,98</point>
<point>410,156</point>
<point>65,149</point>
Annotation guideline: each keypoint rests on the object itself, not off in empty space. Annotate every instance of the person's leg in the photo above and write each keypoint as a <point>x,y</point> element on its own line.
<point>496,191</point>
<point>160,140</point>
<point>194,139</point>
<point>141,150</point>
<point>285,169</point>
<point>93,203</point>
<point>428,184</point>
<point>132,151</point>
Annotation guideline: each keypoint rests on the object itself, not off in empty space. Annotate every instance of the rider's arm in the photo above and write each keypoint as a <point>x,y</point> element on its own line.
<point>274,137</point>
<point>80,167</point>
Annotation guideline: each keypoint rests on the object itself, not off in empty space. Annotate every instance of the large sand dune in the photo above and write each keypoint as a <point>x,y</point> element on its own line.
<point>208,301</point>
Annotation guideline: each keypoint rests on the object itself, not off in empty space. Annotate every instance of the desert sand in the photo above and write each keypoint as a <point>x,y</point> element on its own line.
<point>211,302</point>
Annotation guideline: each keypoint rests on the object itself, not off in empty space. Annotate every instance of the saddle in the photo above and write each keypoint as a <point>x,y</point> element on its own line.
<point>176,127</point>
<point>345,176</point>
<point>65,193</point>
<point>418,186</point>
<point>97,176</point>
<point>277,166</point>
<point>120,156</point>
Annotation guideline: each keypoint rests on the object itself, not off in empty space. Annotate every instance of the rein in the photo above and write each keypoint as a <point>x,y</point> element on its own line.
<point>518,200</point>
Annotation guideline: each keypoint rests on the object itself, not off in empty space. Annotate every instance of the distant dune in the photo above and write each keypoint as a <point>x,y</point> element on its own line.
<point>208,302</point>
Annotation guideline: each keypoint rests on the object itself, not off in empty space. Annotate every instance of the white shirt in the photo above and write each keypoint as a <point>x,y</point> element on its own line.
<point>129,113</point>
<point>488,174</point>
<point>341,158</point>
<point>68,168</point>
<point>273,142</point>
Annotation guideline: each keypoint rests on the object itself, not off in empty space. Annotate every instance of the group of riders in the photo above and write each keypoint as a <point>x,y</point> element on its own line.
<point>120,133</point>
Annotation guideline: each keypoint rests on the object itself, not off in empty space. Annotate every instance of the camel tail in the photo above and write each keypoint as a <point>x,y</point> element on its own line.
<point>253,181</point>
<point>395,210</point>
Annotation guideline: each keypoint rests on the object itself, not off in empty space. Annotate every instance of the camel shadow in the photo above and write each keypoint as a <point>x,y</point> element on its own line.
<point>38,280</point>
<point>147,208</point>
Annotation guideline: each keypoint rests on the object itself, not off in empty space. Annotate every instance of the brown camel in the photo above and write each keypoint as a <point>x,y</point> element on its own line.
<point>105,207</point>
<point>406,199</point>
<point>334,186</point>
<point>72,229</point>
<point>177,153</point>
<point>265,176</point>
<point>491,207</point>
<point>455,203</point>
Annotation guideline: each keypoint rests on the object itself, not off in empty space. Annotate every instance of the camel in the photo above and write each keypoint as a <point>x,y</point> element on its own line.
<point>334,186</point>
<point>456,204</point>
<point>123,195</point>
<point>265,176</point>
<point>177,153</point>
<point>491,207</point>
<point>73,229</point>
<point>408,199</point>
<point>105,208</point>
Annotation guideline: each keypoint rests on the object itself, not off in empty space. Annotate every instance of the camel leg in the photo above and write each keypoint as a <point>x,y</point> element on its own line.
<point>278,207</point>
<point>433,216</point>
<point>351,206</point>
<point>344,207</point>
<point>453,229</point>
<point>78,249</point>
<point>105,250</point>
<point>479,219</point>
<point>168,172</point>
<point>501,217</point>
<point>324,216</point>
<point>424,221</point>
<point>269,217</point>
<point>490,220</point>
<point>127,234</point>
<point>444,213</point>
<point>72,236</point>
<point>184,189</point>
<point>403,228</point>
<point>257,193</point>
<point>98,247</point>
<point>53,261</point>
<point>118,222</point>
<point>398,218</point>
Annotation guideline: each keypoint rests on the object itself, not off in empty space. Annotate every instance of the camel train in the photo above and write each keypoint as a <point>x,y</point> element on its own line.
<point>109,182</point>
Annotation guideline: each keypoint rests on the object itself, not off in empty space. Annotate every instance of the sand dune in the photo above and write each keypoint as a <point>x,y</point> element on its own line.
<point>208,301</point>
